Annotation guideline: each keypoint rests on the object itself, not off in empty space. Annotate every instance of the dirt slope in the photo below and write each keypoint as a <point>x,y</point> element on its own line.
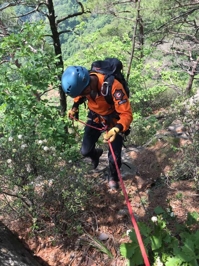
<point>107,216</point>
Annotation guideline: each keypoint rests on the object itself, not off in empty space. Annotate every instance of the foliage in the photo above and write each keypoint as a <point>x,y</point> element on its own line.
<point>28,111</point>
<point>98,245</point>
<point>187,165</point>
<point>143,129</point>
<point>41,184</point>
<point>36,153</point>
<point>40,166</point>
<point>164,247</point>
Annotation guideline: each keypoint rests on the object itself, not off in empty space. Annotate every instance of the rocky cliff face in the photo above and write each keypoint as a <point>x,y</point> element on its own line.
<point>13,252</point>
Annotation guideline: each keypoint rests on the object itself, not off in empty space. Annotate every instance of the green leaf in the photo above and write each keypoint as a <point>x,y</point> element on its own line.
<point>138,257</point>
<point>173,261</point>
<point>192,218</point>
<point>156,242</point>
<point>186,253</point>
<point>144,229</point>
<point>127,250</point>
<point>159,210</point>
<point>196,239</point>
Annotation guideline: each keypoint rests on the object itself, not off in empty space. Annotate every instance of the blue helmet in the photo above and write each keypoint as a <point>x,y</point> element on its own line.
<point>74,80</point>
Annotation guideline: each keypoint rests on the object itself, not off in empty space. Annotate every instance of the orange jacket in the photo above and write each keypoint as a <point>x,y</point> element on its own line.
<point>121,103</point>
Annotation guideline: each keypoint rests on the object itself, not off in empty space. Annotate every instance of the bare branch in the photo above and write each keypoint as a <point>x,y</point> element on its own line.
<point>7,5</point>
<point>41,94</point>
<point>3,28</point>
<point>124,2</point>
<point>133,39</point>
<point>193,38</point>
<point>31,48</point>
<point>65,31</point>
<point>185,14</point>
<point>192,74</point>
<point>74,14</point>
<point>4,61</point>
<point>23,199</point>
<point>36,9</point>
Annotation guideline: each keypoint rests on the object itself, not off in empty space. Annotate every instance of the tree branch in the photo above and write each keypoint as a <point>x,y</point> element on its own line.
<point>177,17</point>
<point>4,61</point>
<point>36,9</point>
<point>194,39</point>
<point>7,5</point>
<point>74,14</point>
<point>23,199</point>
<point>65,31</point>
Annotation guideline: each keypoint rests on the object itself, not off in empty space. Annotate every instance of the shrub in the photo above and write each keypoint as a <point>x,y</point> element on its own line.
<point>41,184</point>
<point>143,129</point>
<point>187,165</point>
<point>163,246</point>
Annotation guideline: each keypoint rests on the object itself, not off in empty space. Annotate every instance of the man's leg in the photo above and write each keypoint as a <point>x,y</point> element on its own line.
<point>91,136</point>
<point>117,149</point>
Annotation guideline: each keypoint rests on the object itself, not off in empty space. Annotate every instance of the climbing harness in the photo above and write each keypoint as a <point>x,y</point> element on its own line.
<point>133,220</point>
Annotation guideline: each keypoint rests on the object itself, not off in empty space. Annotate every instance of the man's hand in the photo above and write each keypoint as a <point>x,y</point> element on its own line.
<point>111,134</point>
<point>71,113</point>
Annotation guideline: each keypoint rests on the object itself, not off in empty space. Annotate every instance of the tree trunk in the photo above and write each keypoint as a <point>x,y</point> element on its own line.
<point>57,47</point>
<point>133,39</point>
<point>191,77</point>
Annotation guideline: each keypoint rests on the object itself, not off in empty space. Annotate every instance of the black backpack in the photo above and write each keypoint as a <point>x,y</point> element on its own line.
<point>112,69</point>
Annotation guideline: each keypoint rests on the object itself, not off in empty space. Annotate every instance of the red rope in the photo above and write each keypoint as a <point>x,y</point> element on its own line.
<point>101,129</point>
<point>133,220</point>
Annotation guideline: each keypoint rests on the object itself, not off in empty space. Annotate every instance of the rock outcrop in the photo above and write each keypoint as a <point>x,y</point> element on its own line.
<point>13,252</point>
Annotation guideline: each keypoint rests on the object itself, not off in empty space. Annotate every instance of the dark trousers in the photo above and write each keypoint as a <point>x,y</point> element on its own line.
<point>91,136</point>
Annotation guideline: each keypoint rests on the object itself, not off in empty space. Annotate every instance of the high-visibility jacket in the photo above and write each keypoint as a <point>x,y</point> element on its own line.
<point>100,106</point>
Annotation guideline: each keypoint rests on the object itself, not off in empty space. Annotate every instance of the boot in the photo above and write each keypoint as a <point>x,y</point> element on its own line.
<point>95,157</point>
<point>113,180</point>
<point>113,184</point>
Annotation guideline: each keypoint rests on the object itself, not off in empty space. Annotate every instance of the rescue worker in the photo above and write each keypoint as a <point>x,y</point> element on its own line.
<point>80,84</point>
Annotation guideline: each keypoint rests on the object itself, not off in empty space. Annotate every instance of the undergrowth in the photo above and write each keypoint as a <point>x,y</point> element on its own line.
<point>41,185</point>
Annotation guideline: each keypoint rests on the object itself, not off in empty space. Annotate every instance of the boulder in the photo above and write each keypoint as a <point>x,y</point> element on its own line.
<point>13,252</point>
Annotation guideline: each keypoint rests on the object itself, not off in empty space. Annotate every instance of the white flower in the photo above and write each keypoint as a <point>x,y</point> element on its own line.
<point>50,182</point>
<point>70,161</point>
<point>14,150</point>
<point>40,141</point>
<point>45,140</point>
<point>9,161</point>
<point>158,262</point>
<point>10,139</point>
<point>39,177</point>
<point>127,232</point>
<point>20,136</point>
<point>28,168</point>
<point>172,214</point>
<point>45,148</point>
<point>52,148</point>
<point>154,219</point>
<point>23,146</point>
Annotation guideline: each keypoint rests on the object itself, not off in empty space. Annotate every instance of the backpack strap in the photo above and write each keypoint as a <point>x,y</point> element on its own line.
<point>106,88</point>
